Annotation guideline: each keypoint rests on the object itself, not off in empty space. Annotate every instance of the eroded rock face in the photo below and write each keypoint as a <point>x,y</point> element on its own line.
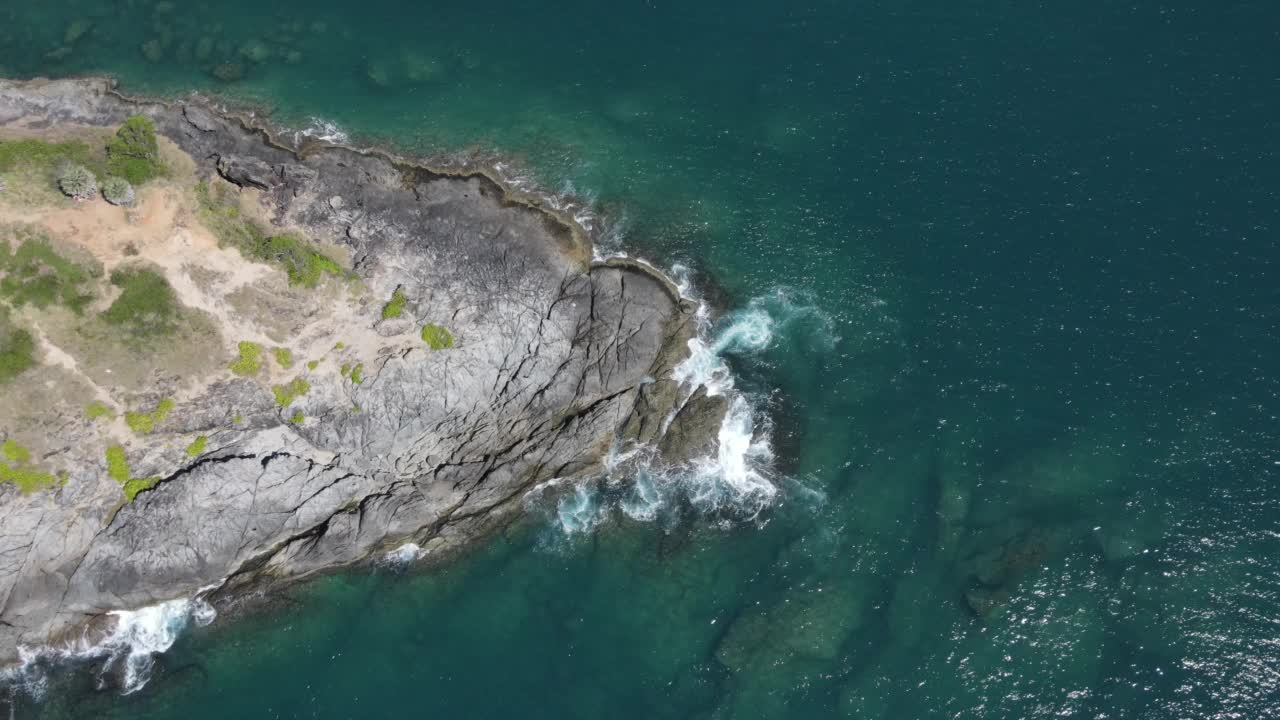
<point>551,353</point>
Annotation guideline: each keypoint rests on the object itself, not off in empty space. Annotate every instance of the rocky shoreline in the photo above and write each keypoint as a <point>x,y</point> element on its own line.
<point>559,359</point>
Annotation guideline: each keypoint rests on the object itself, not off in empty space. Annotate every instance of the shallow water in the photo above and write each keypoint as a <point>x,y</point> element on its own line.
<point>1017,266</point>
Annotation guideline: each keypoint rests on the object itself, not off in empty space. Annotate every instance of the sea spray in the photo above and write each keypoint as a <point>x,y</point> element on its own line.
<point>403,556</point>
<point>129,649</point>
<point>734,483</point>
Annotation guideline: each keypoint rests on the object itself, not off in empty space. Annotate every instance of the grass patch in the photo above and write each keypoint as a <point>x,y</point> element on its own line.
<point>117,464</point>
<point>301,261</point>
<point>41,155</point>
<point>134,153</point>
<point>436,337</point>
<point>395,306</point>
<point>13,452</point>
<point>286,394</point>
<point>297,418</point>
<point>313,364</point>
<point>118,470</point>
<point>98,410</point>
<point>133,486</point>
<point>196,448</point>
<point>144,423</point>
<point>15,469</point>
<point>249,361</point>
<point>284,357</point>
<point>357,374</point>
<point>17,349</point>
<point>147,306</point>
<point>35,274</point>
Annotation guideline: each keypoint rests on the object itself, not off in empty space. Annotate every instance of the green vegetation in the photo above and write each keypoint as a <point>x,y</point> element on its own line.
<point>196,448</point>
<point>42,155</point>
<point>395,306</point>
<point>98,410</point>
<point>13,452</point>
<point>118,470</point>
<point>117,464</point>
<point>117,191</point>
<point>17,349</point>
<point>345,370</point>
<point>284,357</point>
<point>297,418</point>
<point>340,346</point>
<point>313,364</point>
<point>16,469</point>
<point>250,360</point>
<point>77,182</point>
<point>133,153</point>
<point>147,306</point>
<point>304,265</point>
<point>136,485</point>
<point>357,374</point>
<point>144,423</point>
<point>286,394</point>
<point>436,337</point>
<point>36,274</point>
<point>237,419</point>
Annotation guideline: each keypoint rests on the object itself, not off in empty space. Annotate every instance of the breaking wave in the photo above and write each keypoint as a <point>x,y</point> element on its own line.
<point>128,650</point>
<point>735,483</point>
<point>323,130</point>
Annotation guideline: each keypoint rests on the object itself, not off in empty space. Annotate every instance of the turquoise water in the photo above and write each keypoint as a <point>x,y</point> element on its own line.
<point>1019,266</point>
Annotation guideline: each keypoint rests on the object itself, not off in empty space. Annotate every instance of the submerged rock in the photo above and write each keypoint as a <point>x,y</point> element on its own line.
<point>693,430</point>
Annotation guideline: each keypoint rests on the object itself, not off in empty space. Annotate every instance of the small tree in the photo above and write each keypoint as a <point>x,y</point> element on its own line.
<point>77,182</point>
<point>134,153</point>
<point>117,191</point>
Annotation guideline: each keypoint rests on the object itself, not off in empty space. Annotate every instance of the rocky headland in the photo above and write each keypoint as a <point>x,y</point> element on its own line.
<point>277,357</point>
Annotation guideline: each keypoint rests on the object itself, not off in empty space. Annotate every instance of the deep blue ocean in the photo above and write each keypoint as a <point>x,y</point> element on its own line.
<point>1001,281</point>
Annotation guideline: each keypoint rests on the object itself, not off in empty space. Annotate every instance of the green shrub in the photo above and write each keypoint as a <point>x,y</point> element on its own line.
<point>297,418</point>
<point>284,357</point>
<point>144,423</point>
<point>357,374</point>
<point>75,181</point>
<point>117,191</point>
<point>436,337</point>
<point>395,306</point>
<point>35,274</point>
<point>249,361</point>
<point>196,448</point>
<point>17,350</point>
<point>345,370</point>
<point>117,464</point>
<point>302,263</point>
<point>286,394</point>
<point>313,364</point>
<point>147,306</point>
<point>98,410</point>
<point>134,153</point>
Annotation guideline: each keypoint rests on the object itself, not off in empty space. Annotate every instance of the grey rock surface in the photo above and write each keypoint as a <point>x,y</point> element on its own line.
<point>552,352</point>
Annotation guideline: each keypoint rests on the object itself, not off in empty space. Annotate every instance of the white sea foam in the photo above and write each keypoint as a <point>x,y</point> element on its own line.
<point>737,481</point>
<point>130,648</point>
<point>323,130</point>
<point>403,556</point>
